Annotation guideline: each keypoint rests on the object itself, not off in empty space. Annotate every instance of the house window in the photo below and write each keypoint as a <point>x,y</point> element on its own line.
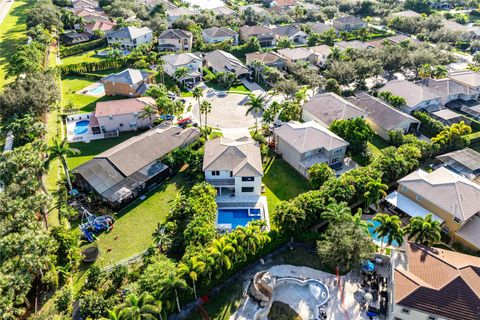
<point>247,189</point>
<point>121,125</point>
<point>457,220</point>
<point>215,173</point>
<point>110,117</point>
<point>405,310</point>
<point>231,174</point>
<point>419,197</point>
<point>432,318</point>
<point>248,178</point>
<point>335,160</point>
<point>404,189</point>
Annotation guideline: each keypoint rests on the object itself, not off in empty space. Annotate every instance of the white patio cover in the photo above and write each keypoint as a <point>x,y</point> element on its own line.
<point>408,206</point>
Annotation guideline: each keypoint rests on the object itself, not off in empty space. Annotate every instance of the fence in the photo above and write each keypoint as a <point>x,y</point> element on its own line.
<point>126,262</point>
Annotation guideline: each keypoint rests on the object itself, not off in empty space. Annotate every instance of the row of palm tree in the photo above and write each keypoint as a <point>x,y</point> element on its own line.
<point>205,107</point>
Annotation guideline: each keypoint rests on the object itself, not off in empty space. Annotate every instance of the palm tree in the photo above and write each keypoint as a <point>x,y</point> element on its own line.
<point>258,66</point>
<point>376,190</point>
<point>139,308</point>
<point>221,251</point>
<point>284,42</point>
<point>335,54</point>
<point>205,107</point>
<point>61,150</point>
<point>425,71</point>
<point>193,268</point>
<point>389,227</point>
<point>424,230</point>
<point>256,104</point>
<point>180,74</point>
<point>173,283</point>
<point>439,72</point>
<point>147,112</point>
<point>209,261</point>
<point>160,70</point>
<point>197,93</point>
<point>360,223</point>
<point>249,237</point>
<point>337,212</point>
<point>161,238</point>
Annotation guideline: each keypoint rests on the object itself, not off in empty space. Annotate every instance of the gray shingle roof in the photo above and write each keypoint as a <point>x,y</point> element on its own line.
<point>175,34</point>
<point>241,156</point>
<point>127,76</point>
<point>460,197</point>
<point>180,59</point>
<point>467,77</point>
<point>467,157</point>
<point>349,20</point>
<point>413,93</point>
<point>216,32</point>
<point>320,27</point>
<point>130,32</point>
<point>309,136</point>
<point>295,53</point>
<point>380,112</point>
<point>222,61</point>
<point>288,30</point>
<point>328,107</point>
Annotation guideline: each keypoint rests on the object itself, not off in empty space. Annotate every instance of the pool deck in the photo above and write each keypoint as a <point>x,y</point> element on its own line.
<point>87,90</point>
<point>244,202</point>
<point>70,122</point>
<point>343,304</point>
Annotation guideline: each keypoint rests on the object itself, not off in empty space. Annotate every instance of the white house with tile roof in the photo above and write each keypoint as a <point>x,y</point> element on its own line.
<point>130,37</point>
<point>233,167</point>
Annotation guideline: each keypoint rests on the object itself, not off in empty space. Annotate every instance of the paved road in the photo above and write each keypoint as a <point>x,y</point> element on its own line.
<point>4,8</point>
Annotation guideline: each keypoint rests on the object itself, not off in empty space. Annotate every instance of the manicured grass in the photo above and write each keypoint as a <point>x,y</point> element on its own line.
<point>238,88</point>
<point>377,144</point>
<point>282,182</point>
<point>88,56</point>
<point>95,147</point>
<point>83,103</point>
<point>134,225</point>
<point>12,34</point>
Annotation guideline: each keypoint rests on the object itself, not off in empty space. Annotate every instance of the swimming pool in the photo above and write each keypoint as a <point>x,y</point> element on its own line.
<point>81,127</point>
<point>237,217</point>
<point>376,238</point>
<point>97,90</point>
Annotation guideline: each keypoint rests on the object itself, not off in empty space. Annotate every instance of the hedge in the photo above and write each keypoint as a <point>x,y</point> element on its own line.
<point>82,47</point>
<point>430,125</point>
<point>91,67</point>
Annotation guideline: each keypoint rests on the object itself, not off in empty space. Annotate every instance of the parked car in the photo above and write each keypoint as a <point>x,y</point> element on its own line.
<point>167,117</point>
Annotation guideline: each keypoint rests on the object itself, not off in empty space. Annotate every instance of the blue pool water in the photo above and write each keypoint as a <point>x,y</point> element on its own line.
<point>81,127</point>
<point>97,90</point>
<point>235,217</point>
<point>376,237</point>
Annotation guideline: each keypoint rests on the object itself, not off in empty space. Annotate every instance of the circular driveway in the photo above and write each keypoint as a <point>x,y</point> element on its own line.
<point>227,112</point>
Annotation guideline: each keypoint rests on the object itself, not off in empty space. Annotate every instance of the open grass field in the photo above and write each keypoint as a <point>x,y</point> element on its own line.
<point>95,147</point>
<point>282,182</point>
<point>88,56</point>
<point>12,34</point>
<point>134,225</point>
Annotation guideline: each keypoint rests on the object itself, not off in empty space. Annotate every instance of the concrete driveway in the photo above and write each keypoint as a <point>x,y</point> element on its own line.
<point>227,112</point>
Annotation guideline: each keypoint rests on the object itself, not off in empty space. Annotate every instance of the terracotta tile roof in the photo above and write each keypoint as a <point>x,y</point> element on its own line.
<point>439,282</point>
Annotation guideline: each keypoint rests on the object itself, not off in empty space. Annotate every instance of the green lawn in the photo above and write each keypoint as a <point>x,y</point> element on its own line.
<point>238,88</point>
<point>282,182</point>
<point>134,225</point>
<point>377,144</point>
<point>95,147</point>
<point>88,56</point>
<point>12,34</point>
<point>83,103</point>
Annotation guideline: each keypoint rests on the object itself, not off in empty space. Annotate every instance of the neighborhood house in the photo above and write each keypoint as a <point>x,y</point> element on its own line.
<point>130,82</point>
<point>129,38</point>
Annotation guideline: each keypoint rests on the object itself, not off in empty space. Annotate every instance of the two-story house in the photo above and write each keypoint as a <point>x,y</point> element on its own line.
<point>457,207</point>
<point>129,82</point>
<point>233,167</point>
<point>304,144</point>
<point>122,115</point>
<point>188,60</point>
<point>322,51</point>
<point>433,284</point>
<point>176,13</point>
<point>292,32</point>
<point>451,90</point>
<point>348,23</point>
<point>175,40</point>
<point>416,97</point>
<point>219,34</point>
<point>130,37</point>
<point>265,35</point>
<point>324,108</point>
<point>221,61</point>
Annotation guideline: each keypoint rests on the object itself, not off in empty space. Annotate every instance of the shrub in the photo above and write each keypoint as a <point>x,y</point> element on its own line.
<point>430,125</point>
<point>82,47</point>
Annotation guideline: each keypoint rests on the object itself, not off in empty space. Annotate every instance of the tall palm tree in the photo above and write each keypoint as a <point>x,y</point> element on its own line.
<point>337,212</point>
<point>191,268</point>
<point>258,66</point>
<point>284,42</point>
<point>360,223</point>
<point>439,72</point>
<point>148,112</point>
<point>425,71</point>
<point>389,227</point>
<point>222,251</point>
<point>209,261</point>
<point>206,108</point>
<point>162,240</point>
<point>197,93</point>
<point>172,283</point>
<point>375,190</point>
<point>424,230</point>
<point>161,70</point>
<point>335,54</point>
<point>248,237</point>
<point>257,106</point>
<point>139,308</point>
<point>60,150</point>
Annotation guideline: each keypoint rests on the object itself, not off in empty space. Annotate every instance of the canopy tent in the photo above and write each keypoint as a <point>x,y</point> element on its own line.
<point>408,206</point>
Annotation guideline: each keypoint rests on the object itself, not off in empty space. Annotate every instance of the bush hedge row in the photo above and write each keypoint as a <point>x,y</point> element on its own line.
<point>430,125</point>
<point>91,67</point>
<point>82,47</point>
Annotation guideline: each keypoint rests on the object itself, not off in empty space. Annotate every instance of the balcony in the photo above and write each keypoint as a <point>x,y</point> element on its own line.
<point>221,182</point>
